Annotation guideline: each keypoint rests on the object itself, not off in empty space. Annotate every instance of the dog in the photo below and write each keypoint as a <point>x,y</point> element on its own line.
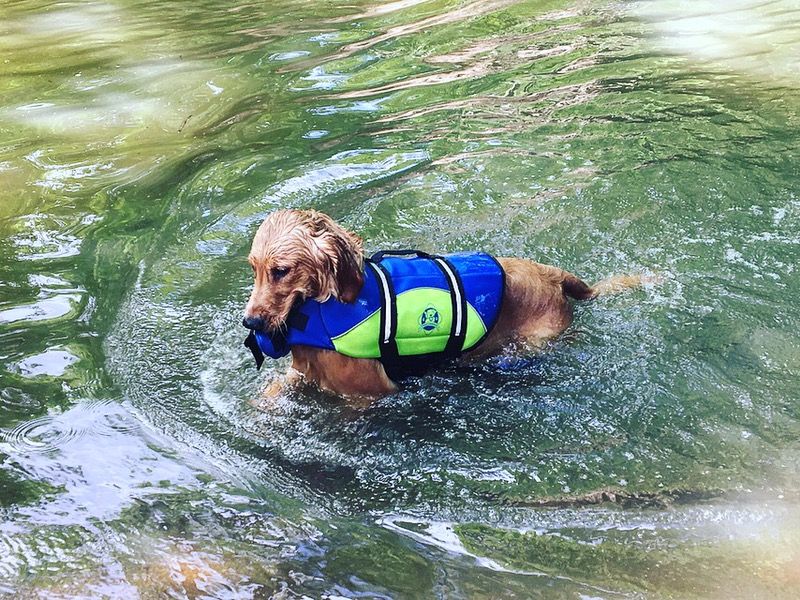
<point>302,255</point>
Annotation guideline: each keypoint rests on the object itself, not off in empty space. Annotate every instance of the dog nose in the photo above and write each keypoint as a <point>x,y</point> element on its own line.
<point>254,323</point>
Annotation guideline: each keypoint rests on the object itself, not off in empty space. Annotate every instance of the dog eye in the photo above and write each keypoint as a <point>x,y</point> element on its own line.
<point>279,272</point>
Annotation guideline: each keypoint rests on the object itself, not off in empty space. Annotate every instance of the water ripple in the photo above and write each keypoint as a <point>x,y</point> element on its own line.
<point>52,433</point>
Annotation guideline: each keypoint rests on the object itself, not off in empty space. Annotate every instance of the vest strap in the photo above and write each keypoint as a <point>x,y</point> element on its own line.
<point>458,329</point>
<point>388,320</point>
<point>298,320</point>
<point>251,344</point>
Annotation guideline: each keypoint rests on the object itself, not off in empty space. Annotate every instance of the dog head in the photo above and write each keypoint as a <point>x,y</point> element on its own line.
<point>296,255</point>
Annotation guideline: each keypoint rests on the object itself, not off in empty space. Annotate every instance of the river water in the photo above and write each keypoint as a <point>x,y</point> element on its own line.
<point>651,452</point>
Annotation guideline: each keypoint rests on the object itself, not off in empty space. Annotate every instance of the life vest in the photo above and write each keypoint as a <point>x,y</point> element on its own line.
<point>413,309</point>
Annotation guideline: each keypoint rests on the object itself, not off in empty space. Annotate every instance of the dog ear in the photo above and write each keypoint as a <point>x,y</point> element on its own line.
<point>350,266</point>
<point>342,254</point>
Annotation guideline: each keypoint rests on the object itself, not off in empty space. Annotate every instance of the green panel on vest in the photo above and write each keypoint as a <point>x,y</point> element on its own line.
<point>424,318</point>
<point>362,340</point>
<point>417,346</point>
<point>476,328</point>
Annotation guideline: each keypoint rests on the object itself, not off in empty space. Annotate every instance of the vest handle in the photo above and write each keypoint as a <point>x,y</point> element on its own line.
<point>378,256</point>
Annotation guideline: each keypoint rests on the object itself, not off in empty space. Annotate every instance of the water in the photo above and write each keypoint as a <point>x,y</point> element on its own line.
<point>651,452</point>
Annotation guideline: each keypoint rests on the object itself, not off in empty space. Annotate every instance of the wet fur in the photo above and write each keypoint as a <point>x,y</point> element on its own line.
<point>325,260</point>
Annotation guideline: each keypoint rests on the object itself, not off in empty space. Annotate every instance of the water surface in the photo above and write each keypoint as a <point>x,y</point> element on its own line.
<point>651,452</point>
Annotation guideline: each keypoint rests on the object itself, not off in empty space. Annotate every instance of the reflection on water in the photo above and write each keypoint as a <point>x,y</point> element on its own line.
<point>650,452</point>
<point>757,37</point>
<point>52,362</point>
<point>47,308</point>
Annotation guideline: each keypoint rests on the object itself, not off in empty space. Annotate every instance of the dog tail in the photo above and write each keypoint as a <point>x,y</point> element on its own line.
<point>575,288</point>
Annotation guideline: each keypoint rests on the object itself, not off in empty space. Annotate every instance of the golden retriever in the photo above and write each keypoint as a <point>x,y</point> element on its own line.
<point>301,254</point>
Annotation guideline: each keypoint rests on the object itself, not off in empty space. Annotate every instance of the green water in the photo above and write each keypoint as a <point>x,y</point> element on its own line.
<point>651,452</point>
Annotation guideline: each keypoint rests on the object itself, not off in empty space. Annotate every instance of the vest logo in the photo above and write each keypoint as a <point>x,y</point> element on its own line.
<point>429,319</point>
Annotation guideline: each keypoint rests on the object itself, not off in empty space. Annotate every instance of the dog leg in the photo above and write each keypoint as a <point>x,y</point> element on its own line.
<point>267,399</point>
<point>282,383</point>
<point>355,378</point>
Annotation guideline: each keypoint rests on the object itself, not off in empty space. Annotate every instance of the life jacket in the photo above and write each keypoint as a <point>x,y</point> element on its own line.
<point>414,309</point>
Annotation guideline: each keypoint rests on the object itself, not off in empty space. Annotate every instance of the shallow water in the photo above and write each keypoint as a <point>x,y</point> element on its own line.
<point>651,452</point>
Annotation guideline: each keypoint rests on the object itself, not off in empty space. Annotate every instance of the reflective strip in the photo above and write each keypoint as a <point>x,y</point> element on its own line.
<point>387,303</point>
<point>456,292</point>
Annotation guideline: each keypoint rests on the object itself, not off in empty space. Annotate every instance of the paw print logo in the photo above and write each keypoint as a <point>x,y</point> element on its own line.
<point>429,319</point>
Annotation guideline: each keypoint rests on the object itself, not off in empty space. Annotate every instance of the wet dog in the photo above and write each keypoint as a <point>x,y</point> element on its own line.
<point>298,255</point>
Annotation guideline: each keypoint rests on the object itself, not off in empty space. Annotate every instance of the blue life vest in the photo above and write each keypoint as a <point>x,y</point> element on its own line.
<point>413,308</point>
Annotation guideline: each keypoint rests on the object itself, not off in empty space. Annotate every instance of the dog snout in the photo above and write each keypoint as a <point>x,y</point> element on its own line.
<point>254,323</point>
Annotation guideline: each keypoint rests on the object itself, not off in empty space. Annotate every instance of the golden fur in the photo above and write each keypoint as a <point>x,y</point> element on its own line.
<point>300,254</point>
